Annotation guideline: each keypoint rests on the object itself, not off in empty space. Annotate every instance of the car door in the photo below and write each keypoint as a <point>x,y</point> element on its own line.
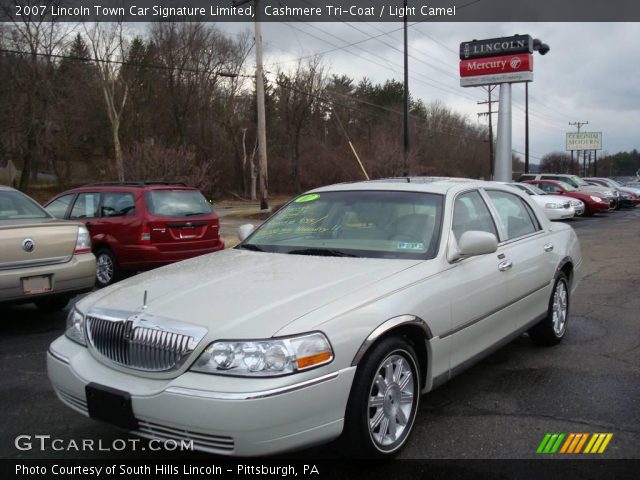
<point>529,258</point>
<point>478,286</point>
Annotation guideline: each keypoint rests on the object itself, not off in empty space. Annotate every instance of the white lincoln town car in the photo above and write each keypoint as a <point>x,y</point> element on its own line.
<point>329,320</point>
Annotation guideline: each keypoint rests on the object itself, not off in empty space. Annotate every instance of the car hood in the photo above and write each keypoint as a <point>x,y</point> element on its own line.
<point>243,294</point>
<point>544,199</point>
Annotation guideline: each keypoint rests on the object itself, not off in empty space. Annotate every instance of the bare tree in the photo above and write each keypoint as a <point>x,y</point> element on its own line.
<point>556,162</point>
<point>108,45</point>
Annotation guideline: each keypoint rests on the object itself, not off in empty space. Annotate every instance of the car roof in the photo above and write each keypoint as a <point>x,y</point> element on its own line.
<point>439,185</point>
<point>127,186</point>
<point>7,188</point>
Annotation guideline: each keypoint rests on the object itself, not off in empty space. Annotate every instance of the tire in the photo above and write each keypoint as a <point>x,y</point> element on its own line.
<point>51,305</point>
<point>588,212</point>
<point>107,271</point>
<point>378,422</point>
<point>552,329</point>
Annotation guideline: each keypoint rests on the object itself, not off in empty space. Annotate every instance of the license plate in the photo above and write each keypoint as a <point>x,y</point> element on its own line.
<point>110,405</point>
<point>39,284</point>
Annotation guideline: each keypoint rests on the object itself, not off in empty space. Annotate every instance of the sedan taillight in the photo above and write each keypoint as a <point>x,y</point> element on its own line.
<point>83,241</point>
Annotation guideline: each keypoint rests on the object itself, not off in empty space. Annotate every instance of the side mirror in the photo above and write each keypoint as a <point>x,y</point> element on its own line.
<point>474,242</point>
<point>245,230</point>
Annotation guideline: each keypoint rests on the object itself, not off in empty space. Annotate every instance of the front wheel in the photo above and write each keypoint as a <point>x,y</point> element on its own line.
<point>383,402</point>
<point>551,330</point>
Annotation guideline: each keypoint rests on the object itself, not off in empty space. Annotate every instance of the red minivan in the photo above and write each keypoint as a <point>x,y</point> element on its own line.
<point>140,225</point>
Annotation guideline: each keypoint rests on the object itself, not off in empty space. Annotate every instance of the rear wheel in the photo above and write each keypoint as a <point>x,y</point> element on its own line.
<point>106,268</point>
<point>551,330</point>
<point>383,402</point>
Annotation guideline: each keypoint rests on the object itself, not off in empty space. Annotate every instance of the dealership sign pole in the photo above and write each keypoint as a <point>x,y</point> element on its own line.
<point>501,61</point>
<point>583,141</point>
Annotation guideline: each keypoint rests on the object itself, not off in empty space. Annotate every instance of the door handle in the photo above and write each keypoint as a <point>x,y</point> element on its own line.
<point>548,247</point>
<point>504,266</point>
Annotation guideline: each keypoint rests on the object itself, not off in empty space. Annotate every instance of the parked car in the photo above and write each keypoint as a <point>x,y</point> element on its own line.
<point>630,197</point>
<point>555,207</point>
<point>576,182</point>
<point>593,203</point>
<point>140,225</point>
<point>42,260</point>
<point>329,319</point>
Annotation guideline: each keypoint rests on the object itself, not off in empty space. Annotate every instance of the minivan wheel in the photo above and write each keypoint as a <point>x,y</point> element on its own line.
<point>106,268</point>
<point>551,330</point>
<point>383,402</point>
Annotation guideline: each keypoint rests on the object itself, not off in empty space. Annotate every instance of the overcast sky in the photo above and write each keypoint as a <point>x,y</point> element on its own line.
<point>592,72</point>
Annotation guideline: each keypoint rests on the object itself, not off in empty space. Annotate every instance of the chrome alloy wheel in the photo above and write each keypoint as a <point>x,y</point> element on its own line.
<point>560,307</point>
<point>391,400</point>
<point>104,268</point>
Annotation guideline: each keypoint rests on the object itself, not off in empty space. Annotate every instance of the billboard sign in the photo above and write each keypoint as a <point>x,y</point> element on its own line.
<point>522,62</point>
<point>584,141</point>
<point>479,80</point>
<point>492,47</point>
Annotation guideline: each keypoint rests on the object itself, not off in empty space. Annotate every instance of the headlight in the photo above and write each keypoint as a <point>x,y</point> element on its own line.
<point>596,199</point>
<point>75,327</point>
<point>554,205</point>
<point>576,203</point>
<point>264,358</point>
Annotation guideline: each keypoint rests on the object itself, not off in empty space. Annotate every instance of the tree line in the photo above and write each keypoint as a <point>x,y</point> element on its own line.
<point>176,102</point>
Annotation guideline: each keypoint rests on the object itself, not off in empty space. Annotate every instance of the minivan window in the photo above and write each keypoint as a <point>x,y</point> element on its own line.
<point>86,206</point>
<point>58,208</point>
<point>117,204</point>
<point>177,203</point>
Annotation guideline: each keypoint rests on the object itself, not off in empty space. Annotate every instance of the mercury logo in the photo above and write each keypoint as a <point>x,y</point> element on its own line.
<point>28,245</point>
<point>515,62</point>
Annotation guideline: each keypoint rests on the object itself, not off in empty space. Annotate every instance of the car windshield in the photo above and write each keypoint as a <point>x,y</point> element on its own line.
<point>178,203</point>
<point>567,187</point>
<point>578,181</point>
<point>16,206</point>
<point>376,224</point>
<point>530,189</point>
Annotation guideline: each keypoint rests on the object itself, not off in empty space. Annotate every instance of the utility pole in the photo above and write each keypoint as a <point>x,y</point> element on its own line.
<point>490,113</point>
<point>262,127</point>
<point>406,95</point>
<point>578,125</point>
<point>526,127</point>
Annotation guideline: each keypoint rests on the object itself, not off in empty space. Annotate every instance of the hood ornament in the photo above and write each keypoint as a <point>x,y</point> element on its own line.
<point>144,301</point>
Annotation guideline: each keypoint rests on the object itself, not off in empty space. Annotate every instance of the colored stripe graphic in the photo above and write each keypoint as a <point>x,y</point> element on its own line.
<point>572,443</point>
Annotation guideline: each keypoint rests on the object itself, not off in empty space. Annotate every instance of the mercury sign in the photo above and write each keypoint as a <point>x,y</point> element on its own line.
<point>584,141</point>
<point>522,62</point>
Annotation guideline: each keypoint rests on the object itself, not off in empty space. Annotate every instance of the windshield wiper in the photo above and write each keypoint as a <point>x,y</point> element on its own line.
<point>192,214</point>
<point>249,246</point>
<point>325,252</point>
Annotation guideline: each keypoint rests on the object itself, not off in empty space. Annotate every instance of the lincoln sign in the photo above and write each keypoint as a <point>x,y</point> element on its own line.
<point>496,60</point>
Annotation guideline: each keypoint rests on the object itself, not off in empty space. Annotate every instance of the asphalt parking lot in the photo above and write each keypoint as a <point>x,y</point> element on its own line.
<point>500,408</point>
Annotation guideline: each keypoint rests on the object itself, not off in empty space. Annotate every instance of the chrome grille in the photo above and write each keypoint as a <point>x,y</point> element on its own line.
<point>201,441</point>
<point>154,348</point>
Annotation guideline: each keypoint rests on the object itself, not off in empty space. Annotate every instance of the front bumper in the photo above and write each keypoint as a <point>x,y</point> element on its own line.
<point>220,416</point>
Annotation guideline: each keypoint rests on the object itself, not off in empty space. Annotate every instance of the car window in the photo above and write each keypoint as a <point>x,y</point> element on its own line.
<point>15,205</point>
<point>117,204</point>
<point>177,203</point>
<point>470,212</point>
<point>58,208</point>
<point>86,206</point>
<point>377,224</point>
<point>515,215</point>
<point>547,187</point>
